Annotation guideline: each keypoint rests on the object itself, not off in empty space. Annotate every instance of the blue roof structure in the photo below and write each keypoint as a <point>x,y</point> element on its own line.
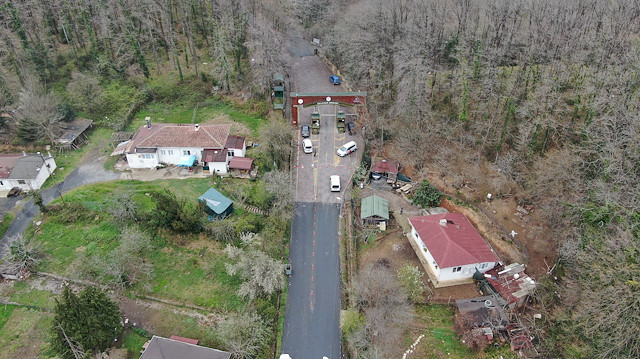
<point>215,201</point>
<point>187,161</point>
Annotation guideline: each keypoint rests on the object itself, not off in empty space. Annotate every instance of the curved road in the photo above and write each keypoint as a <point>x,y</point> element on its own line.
<point>85,174</point>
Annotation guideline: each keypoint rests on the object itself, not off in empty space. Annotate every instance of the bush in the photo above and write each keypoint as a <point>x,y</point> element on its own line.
<point>410,279</point>
<point>427,195</point>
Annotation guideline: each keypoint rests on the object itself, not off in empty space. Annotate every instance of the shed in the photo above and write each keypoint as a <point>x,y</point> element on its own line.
<point>74,134</point>
<point>385,168</point>
<point>242,167</point>
<point>374,209</point>
<point>217,205</point>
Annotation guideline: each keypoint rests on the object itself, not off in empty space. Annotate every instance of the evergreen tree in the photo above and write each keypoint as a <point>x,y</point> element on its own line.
<point>86,322</point>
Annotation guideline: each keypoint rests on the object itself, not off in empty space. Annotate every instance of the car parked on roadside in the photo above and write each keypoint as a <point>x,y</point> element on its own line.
<point>348,148</point>
<point>334,79</point>
<point>305,131</point>
<point>335,183</point>
<point>14,192</point>
<point>307,146</point>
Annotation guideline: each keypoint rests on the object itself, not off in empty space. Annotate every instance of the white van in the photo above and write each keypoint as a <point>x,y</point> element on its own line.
<point>307,146</point>
<point>347,148</point>
<point>335,183</point>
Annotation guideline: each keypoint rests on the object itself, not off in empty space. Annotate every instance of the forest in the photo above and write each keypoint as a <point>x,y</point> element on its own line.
<point>538,100</point>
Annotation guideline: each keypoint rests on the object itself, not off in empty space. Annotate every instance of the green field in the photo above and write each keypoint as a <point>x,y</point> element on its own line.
<point>24,333</point>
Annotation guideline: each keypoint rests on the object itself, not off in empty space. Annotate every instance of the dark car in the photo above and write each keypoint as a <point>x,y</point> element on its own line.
<point>305,131</point>
<point>352,128</point>
<point>14,192</point>
<point>334,79</point>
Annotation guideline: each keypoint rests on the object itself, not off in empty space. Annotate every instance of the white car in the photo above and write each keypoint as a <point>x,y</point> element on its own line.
<point>348,148</point>
<point>307,146</point>
<point>335,183</point>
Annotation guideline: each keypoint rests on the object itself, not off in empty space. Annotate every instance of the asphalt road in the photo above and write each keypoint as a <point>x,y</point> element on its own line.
<point>311,326</point>
<point>312,316</point>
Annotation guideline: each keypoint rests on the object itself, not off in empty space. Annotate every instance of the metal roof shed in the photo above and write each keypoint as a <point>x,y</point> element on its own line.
<point>217,205</point>
<point>374,209</point>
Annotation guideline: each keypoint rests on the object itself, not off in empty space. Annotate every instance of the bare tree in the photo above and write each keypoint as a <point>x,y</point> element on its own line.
<point>278,184</point>
<point>261,274</point>
<point>21,257</point>
<point>38,112</point>
<point>244,334</point>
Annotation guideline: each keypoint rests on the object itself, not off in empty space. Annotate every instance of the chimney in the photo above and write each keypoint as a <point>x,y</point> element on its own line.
<point>148,119</point>
<point>443,222</point>
<point>197,126</point>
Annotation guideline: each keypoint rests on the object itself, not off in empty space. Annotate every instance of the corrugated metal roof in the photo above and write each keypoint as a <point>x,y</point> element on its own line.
<point>381,165</point>
<point>374,206</point>
<point>215,200</point>
<point>27,167</point>
<point>214,156</point>
<point>456,244</point>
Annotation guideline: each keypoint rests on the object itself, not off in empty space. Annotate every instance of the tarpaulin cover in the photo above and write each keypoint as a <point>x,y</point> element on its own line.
<point>187,160</point>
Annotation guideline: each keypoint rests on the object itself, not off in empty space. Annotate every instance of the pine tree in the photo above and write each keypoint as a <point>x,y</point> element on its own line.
<point>88,321</point>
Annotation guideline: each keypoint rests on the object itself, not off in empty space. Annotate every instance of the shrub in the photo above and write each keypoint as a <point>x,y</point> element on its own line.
<point>427,195</point>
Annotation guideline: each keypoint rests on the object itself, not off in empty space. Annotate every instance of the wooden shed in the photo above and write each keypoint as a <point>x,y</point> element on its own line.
<point>217,206</point>
<point>374,210</point>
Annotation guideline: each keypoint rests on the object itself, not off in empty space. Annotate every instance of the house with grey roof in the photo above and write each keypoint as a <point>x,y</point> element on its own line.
<point>26,171</point>
<point>163,348</point>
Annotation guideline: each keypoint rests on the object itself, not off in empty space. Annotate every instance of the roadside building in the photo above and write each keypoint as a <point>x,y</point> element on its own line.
<point>26,171</point>
<point>374,210</point>
<point>179,348</point>
<point>450,248</point>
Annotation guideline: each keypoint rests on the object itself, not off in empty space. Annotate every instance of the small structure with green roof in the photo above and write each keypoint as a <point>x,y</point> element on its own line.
<point>374,209</point>
<point>217,206</point>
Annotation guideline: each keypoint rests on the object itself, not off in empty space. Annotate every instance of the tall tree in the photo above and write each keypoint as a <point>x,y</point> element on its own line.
<point>89,319</point>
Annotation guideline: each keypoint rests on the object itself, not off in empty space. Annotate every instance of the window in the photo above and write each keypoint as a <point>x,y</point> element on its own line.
<point>457,269</point>
<point>483,265</point>
<point>170,152</point>
<point>230,153</point>
<point>1,183</point>
<point>148,156</point>
<point>22,182</point>
<point>163,152</point>
<point>186,152</point>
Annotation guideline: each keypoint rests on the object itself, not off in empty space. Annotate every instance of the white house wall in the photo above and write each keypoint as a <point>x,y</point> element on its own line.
<point>219,167</point>
<point>447,274</point>
<point>135,160</point>
<point>34,183</point>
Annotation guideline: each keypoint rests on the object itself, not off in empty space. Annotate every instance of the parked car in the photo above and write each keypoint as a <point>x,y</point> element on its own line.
<point>14,192</point>
<point>352,128</point>
<point>348,148</point>
<point>305,131</point>
<point>334,79</point>
<point>335,183</point>
<point>307,146</point>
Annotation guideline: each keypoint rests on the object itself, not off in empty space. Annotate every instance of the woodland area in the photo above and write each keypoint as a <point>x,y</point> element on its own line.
<point>535,99</point>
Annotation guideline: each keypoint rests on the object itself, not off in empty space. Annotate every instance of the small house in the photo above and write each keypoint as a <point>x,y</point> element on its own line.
<point>450,248</point>
<point>217,206</point>
<point>385,168</point>
<point>374,210</point>
<point>164,348</point>
<point>26,171</point>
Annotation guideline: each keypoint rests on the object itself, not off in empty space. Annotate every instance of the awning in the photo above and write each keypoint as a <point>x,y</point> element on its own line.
<point>187,161</point>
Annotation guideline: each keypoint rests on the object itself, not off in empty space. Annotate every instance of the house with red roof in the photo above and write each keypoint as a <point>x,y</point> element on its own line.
<point>450,248</point>
<point>184,145</point>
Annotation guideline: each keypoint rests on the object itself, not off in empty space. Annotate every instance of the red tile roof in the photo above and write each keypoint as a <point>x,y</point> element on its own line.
<point>214,155</point>
<point>511,282</point>
<point>456,244</point>
<point>235,142</point>
<point>185,340</point>
<point>180,135</point>
<point>241,163</point>
<point>384,166</point>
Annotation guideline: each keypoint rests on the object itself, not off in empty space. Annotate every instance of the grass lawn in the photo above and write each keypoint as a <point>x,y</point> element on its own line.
<point>187,269</point>
<point>133,342</point>
<point>6,222</point>
<point>5,313</point>
<point>22,293</point>
<point>182,112</point>
<point>24,333</point>
<point>440,339</point>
